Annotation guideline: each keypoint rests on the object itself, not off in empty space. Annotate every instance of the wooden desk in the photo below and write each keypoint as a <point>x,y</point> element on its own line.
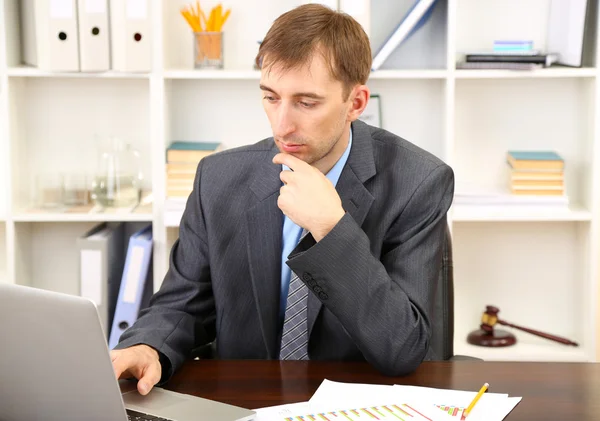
<point>550,391</point>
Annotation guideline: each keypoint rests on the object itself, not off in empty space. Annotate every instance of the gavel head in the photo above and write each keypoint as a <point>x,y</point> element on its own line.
<point>489,318</point>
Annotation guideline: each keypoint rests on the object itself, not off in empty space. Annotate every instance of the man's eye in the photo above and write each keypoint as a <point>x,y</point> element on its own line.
<point>307,104</point>
<point>269,98</point>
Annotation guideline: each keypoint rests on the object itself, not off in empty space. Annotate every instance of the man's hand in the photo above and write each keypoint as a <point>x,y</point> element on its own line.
<point>308,197</point>
<point>139,361</point>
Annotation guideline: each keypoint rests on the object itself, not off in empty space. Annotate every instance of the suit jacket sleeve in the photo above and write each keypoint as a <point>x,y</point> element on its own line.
<point>182,314</point>
<point>383,301</point>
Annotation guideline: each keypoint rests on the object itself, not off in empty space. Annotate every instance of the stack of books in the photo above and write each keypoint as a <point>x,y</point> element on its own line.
<point>182,162</point>
<point>536,173</point>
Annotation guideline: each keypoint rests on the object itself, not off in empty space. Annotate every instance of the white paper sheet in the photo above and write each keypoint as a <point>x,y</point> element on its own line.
<point>357,394</point>
<point>306,411</point>
<point>450,403</point>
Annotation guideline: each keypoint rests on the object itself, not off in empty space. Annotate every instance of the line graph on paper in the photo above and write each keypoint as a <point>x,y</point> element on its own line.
<point>400,412</point>
<point>453,411</point>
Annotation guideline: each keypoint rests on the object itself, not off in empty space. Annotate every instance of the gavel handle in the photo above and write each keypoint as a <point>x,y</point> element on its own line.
<point>542,334</point>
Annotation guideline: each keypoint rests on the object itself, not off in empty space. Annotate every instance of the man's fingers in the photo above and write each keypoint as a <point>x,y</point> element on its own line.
<point>289,160</point>
<point>123,364</point>
<point>149,379</point>
<point>286,176</point>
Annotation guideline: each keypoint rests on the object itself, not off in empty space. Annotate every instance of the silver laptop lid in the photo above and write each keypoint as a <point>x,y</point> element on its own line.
<point>54,360</point>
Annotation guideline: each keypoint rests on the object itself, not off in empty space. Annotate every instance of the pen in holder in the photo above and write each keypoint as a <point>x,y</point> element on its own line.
<point>208,50</point>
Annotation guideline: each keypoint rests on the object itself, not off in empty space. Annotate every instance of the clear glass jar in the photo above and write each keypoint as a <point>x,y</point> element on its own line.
<point>208,50</point>
<point>118,179</point>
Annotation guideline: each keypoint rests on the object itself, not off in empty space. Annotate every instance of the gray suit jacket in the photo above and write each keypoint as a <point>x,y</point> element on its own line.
<point>372,277</point>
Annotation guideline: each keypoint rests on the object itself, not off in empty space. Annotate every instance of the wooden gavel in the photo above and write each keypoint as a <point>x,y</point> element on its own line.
<point>490,318</point>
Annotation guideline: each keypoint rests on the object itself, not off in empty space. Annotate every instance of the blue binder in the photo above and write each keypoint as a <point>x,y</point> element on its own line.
<point>136,284</point>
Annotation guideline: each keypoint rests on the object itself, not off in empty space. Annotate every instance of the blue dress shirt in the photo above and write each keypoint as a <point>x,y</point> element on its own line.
<point>293,232</point>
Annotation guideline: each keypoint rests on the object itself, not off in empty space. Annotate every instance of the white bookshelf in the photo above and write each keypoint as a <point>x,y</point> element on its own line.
<point>3,242</point>
<point>255,74</point>
<point>486,213</point>
<point>82,217</point>
<point>550,72</point>
<point>540,266</point>
<point>25,71</point>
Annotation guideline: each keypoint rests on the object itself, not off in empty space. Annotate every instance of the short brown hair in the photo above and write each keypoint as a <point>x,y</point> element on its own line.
<point>310,28</point>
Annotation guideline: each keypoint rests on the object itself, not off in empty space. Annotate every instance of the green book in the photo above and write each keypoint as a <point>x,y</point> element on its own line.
<point>534,156</point>
<point>181,145</point>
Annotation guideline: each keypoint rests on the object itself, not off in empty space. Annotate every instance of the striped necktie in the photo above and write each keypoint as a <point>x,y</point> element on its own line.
<point>294,337</point>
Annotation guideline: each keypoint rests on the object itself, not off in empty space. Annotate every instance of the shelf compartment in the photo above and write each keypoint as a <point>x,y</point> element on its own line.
<point>241,32</point>
<point>47,253</point>
<point>50,134</point>
<point>185,100</point>
<point>537,274</point>
<point>403,105</point>
<point>47,256</point>
<point>424,49</point>
<point>495,116</point>
<point>479,23</point>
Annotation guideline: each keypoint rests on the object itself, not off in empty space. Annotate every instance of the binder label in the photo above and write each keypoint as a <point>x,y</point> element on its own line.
<point>132,282</point>
<point>61,9</point>
<point>90,275</point>
<point>95,6</point>
<point>136,9</point>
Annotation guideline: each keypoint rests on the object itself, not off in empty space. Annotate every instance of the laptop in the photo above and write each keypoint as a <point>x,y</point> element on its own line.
<point>55,365</point>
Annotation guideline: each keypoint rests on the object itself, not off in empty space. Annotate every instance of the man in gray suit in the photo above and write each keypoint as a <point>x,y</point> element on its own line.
<point>322,242</point>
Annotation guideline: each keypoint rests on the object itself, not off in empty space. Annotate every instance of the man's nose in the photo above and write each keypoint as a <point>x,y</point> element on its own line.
<point>284,124</point>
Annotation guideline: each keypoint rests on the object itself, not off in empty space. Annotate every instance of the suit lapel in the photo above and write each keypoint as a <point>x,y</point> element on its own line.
<point>265,222</point>
<point>356,199</point>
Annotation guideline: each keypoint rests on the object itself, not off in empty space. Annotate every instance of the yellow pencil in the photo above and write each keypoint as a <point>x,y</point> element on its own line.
<point>225,16</point>
<point>474,401</point>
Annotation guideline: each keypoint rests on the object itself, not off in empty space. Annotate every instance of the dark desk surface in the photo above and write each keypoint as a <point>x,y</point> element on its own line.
<point>550,391</point>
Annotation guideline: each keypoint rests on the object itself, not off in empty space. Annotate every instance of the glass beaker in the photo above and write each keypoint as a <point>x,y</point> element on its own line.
<point>76,190</point>
<point>48,193</point>
<point>118,179</point>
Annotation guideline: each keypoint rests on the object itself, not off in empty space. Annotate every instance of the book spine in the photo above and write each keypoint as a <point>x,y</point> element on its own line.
<point>506,58</point>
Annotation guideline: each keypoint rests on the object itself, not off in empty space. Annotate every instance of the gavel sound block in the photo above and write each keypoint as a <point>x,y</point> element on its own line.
<point>488,336</point>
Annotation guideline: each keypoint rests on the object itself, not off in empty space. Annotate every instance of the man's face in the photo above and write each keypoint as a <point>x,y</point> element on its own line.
<point>307,112</point>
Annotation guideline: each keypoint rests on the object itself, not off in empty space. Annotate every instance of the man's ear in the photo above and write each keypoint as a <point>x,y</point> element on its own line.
<point>359,97</point>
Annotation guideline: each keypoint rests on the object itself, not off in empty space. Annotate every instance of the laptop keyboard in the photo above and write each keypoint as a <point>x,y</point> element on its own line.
<point>138,416</point>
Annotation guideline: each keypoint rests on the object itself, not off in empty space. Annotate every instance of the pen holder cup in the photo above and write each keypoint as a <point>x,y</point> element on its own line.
<point>208,50</point>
